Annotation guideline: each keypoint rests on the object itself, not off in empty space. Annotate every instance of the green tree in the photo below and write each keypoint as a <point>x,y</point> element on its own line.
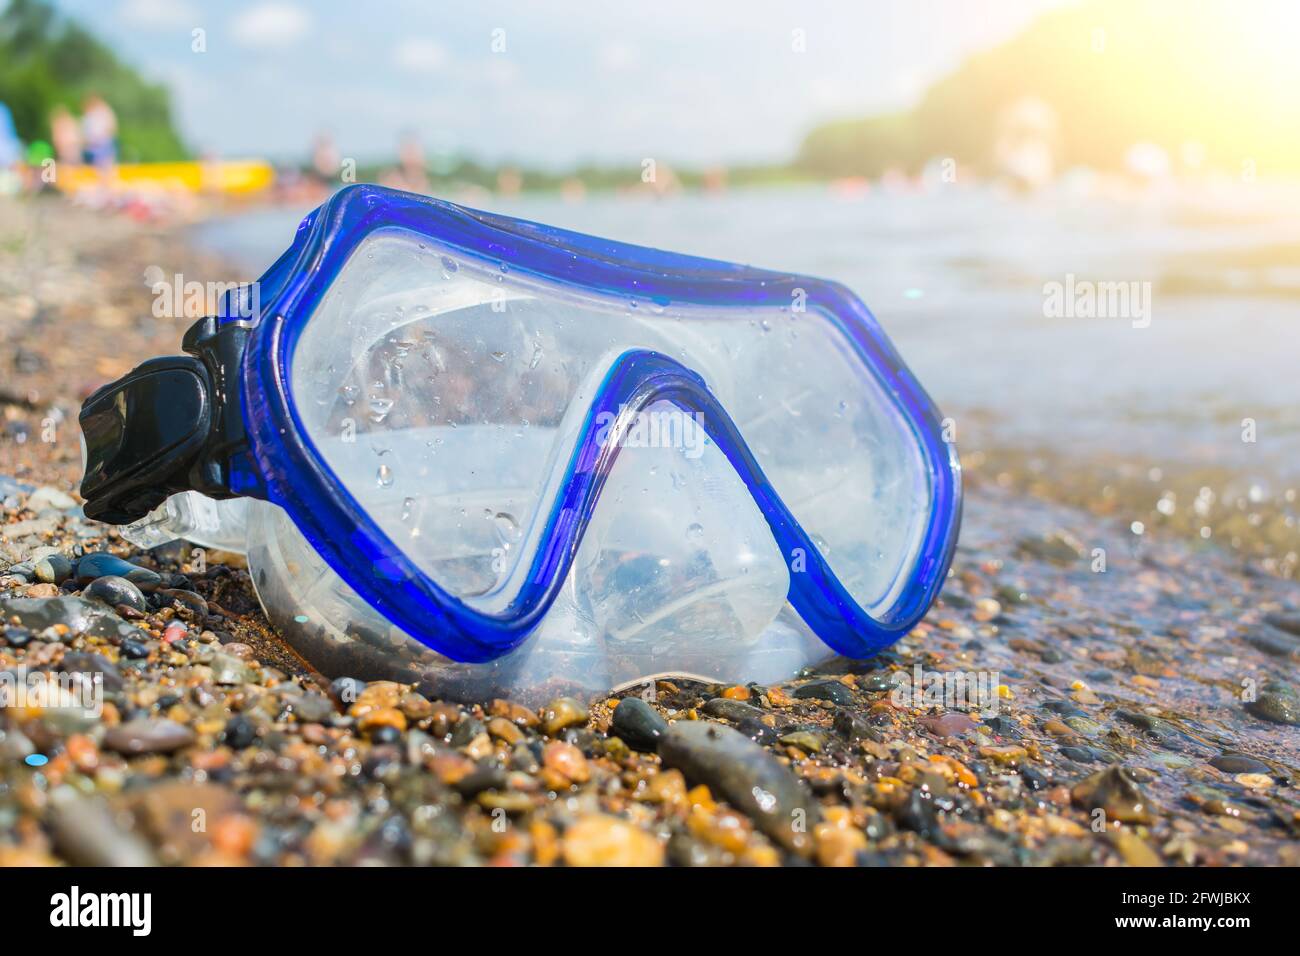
<point>47,60</point>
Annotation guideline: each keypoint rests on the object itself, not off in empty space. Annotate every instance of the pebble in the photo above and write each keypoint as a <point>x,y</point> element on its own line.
<point>601,840</point>
<point>876,681</point>
<point>240,732</point>
<point>1116,792</point>
<point>1289,622</point>
<point>1274,643</point>
<point>114,590</point>
<point>54,569</point>
<point>515,713</point>
<point>952,724</point>
<point>147,735</point>
<point>1058,547</point>
<point>187,599</point>
<point>733,710</point>
<point>852,727</point>
<point>832,690</point>
<point>346,690</point>
<point>1275,706</point>
<point>92,663</point>
<point>87,833</point>
<point>1135,850</point>
<point>561,713</point>
<point>987,609</point>
<point>567,761</point>
<point>758,731</point>
<point>48,496</point>
<point>504,730</point>
<point>1239,763</point>
<point>76,613</point>
<point>99,564</point>
<point>228,669</point>
<point>1254,781</point>
<point>805,740</point>
<point>638,724</point>
<point>373,720</point>
<point>133,649</point>
<point>747,776</point>
<point>309,708</point>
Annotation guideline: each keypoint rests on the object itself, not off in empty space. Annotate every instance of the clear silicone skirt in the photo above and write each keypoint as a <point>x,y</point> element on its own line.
<point>586,487</point>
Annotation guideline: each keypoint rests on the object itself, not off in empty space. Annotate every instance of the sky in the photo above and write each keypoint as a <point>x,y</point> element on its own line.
<point>549,84</point>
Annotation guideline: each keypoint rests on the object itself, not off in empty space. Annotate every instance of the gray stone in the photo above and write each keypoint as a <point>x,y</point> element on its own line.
<point>746,776</point>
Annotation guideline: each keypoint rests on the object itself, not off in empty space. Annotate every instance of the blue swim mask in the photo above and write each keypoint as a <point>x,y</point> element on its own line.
<point>496,455</point>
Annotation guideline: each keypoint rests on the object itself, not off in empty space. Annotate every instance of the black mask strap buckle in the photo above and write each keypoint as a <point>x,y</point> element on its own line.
<point>169,425</point>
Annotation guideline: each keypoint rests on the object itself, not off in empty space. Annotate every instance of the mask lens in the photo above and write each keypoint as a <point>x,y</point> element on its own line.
<point>446,395</point>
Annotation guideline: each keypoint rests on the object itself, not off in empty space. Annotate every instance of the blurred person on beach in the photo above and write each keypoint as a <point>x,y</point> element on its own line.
<point>65,136</point>
<point>410,173</point>
<point>99,127</point>
<point>325,159</point>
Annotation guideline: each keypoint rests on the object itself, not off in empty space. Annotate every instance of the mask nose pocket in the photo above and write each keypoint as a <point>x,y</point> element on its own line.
<point>677,560</point>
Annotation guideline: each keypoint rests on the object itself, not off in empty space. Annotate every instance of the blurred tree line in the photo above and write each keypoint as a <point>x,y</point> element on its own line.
<point>48,61</point>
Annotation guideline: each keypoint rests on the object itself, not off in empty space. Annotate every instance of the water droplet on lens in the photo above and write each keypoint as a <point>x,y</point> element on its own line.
<point>499,356</point>
<point>507,527</point>
<point>408,508</point>
<point>695,531</point>
<point>384,476</point>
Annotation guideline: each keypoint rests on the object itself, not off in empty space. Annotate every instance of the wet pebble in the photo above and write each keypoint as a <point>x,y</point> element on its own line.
<point>876,681</point>
<point>240,732</point>
<point>638,724</point>
<point>99,564</point>
<point>747,776</point>
<point>88,833</point>
<point>758,731</point>
<point>561,713</point>
<point>114,590</point>
<point>952,724</point>
<point>346,690</point>
<point>806,740</point>
<point>145,735</point>
<point>1116,792</point>
<point>1239,763</point>
<point>733,710</point>
<point>186,599</point>
<point>1275,706</point>
<point>54,569</point>
<point>832,690</point>
<point>133,649</point>
<point>852,727</point>
<point>1288,621</point>
<point>601,840</point>
<point>92,663</point>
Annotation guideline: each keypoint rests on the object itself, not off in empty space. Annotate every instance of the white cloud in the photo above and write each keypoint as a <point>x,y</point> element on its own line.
<point>271,25</point>
<point>419,55</point>
<point>158,14</point>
